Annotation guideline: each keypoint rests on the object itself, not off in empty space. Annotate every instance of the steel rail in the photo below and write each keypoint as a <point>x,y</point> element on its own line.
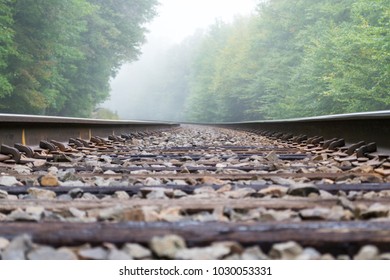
<point>369,127</point>
<point>29,130</point>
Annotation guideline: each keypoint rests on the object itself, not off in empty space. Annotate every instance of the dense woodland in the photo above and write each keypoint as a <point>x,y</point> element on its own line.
<point>57,57</point>
<point>289,59</point>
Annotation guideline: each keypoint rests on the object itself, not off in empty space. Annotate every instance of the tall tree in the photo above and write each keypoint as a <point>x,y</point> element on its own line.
<point>66,52</point>
<point>7,47</point>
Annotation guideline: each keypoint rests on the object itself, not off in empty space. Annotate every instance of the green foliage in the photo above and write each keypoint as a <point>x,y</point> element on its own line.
<point>105,114</point>
<point>293,59</point>
<point>7,47</point>
<point>57,57</point>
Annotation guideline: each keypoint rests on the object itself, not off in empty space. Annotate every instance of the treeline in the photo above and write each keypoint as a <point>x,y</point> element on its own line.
<point>290,59</point>
<point>57,57</point>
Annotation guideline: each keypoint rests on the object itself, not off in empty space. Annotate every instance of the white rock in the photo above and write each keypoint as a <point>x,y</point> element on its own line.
<point>97,253</point>
<point>208,253</point>
<point>17,249</point>
<point>285,251</point>
<point>167,246</point>
<point>41,193</point>
<point>3,243</point>
<point>9,181</point>
<point>48,253</point>
<point>137,251</point>
<point>3,194</point>
<point>368,252</point>
<point>22,169</point>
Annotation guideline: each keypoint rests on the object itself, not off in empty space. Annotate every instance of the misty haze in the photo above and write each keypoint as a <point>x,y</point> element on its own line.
<point>194,60</point>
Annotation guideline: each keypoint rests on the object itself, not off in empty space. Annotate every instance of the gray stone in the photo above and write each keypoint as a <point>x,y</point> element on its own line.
<point>20,215</point>
<point>137,251</point>
<point>76,193</point>
<point>215,252</point>
<point>121,195</point>
<point>41,193</point>
<point>113,213</point>
<point>367,252</point>
<point>77,213</point>
<point>272,156</point>
<point>96,253</point>
<point>76,183</point>
<point>9,181</point>
<point>115,254</point>
<point>179,194</point>
<point>167,246</point>
<point>152,182</point>
<point>285,251</point>
<point>309,254</point>
<point>89,196</point>
<point>343,257</point>
<point>254,253</point>
<point>17,249</point>
<point>376,210</point>
<point>3,243</point>
<point>315,213</point>
<point>240,193</point>
<point>385,256</point>
<point>273,191</point>
<point>303,190</point>
<point>22,169</point>
<point>49,253</point>
<point>3,194</point>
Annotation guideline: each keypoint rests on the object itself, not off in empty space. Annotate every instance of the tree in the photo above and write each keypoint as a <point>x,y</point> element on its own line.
<point>57,57</point>
<point>7,46</point>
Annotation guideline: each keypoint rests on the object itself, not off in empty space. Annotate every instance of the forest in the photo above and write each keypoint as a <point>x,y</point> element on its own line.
<point>288,59</point>
<point>57,57</point>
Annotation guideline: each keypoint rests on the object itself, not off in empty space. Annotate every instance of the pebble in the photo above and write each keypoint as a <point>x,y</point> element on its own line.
<point>121,195</point>
<point>20,215</point>
<point>96,253</point>
<point>41,193</point>
<point>49,180</point>
<point>303,190</point>
<point>76,193</point>
<point>376,210</point>
<point>212,181</point>
<point>115,254</point>
<point>3,194</point>
<point>3,243</point>
<point>77,213</point>
<point>215,252</point>
<point>254,253</point>
<point>9,181</point>
<point>274,191</point>
<point>309,254</point>
<point>137,251</point>
<point>22,169</point>
<point>167,246</point>
<point>286,251</point>
<point>49,253</point>
<point>367,252</point>
<point>17,248</point>
<point>142,214</point>
<point>272,156</point>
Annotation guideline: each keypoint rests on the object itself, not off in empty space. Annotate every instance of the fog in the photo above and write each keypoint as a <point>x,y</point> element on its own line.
<point>139,89</point>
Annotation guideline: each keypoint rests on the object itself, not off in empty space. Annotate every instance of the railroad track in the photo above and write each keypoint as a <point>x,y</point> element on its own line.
<point>87,189</point>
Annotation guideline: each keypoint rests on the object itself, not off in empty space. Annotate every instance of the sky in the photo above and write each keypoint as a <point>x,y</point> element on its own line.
<point>176,20</point>
<point>180,18</point>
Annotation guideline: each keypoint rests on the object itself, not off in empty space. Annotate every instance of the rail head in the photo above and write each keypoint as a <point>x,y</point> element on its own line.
<point>356,127</point>
<point>29,130</point>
